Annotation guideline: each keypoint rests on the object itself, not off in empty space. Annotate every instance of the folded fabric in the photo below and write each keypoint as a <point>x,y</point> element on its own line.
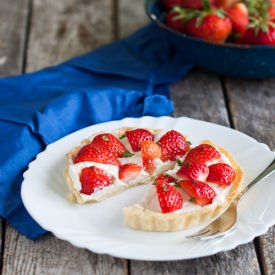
<point>128,78</point>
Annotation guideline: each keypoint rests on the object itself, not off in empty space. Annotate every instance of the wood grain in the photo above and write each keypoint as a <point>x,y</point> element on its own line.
<point>241,262</point>
<point>14,18</point>
<point>131,16</point>
<point>60,30</point>
<point>49,255</point>
<point>200,96</point>
<point>64,29</point>
<point>252,105</point>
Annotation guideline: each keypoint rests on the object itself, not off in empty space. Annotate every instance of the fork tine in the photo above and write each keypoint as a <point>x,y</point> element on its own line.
<point>205,235</point>
<point>199,233</point>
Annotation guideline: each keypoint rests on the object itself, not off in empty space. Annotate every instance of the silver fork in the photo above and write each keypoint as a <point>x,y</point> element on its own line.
<point>226,222</point>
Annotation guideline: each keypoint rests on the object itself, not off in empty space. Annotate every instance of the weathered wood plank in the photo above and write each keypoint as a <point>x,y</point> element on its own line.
<point>60,30</point>
<point>131,16</point>
<point>64,29</point>
<point>199,96</point>
<point>252,104</point>
<point>49,255</point>
<point>14,18</point>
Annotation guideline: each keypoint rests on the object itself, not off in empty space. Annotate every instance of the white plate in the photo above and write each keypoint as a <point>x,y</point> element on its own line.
<point>99,227</point>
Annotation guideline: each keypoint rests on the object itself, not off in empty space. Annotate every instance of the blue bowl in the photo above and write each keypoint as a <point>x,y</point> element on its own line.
<point>242,61</point>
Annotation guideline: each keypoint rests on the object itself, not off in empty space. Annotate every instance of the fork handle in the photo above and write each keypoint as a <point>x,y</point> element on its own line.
<point>270,168</point>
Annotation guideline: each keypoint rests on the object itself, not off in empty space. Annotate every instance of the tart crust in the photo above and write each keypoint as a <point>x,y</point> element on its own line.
<point>74,195</point>
<point>137,217</point>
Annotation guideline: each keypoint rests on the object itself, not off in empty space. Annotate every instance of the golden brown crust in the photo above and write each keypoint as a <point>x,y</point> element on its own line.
<point>138,217</point>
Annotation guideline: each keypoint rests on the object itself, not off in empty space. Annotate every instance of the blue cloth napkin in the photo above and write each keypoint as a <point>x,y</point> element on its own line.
<point>128,78</point>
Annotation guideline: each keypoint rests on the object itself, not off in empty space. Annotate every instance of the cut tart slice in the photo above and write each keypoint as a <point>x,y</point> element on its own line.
<point>109,162</point>
<point>203,184</point>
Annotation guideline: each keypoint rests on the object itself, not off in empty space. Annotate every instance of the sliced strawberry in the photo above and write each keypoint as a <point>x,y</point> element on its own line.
<point>200,192</point>
<point>137,136</point>
<point>202,154</point>
<point>169,197</point>
<point>150,151</point>
<point>165,177</point>
<point>173,145</point>
<point>193,171</point>
<point>221,173</point>
<point>129,171</point>
<point>111,143</point>
<point>101,154</point>
<point>93,179</point>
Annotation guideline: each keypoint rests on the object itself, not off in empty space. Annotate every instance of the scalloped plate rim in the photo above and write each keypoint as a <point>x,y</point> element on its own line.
<point>119,253</point>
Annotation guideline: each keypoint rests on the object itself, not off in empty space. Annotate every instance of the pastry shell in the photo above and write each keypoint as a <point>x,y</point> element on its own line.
<point>137,217</point>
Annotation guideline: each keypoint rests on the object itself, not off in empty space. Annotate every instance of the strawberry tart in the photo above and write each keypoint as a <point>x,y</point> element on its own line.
<point>187,185</point>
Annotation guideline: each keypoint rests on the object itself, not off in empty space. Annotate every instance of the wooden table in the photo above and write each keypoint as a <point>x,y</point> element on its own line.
<point>38,33</point>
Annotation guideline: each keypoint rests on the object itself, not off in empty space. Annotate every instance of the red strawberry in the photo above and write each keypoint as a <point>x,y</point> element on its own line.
<point>169,197</point>
<point>213,28</point>
<point>173,145</point>
<point>137,136</point>
<point>202,154</point>
<point>195,4</point>
<point>111,142</point>
<point>193,171</point>
<point>200,192</point>
<point>93,179</point>
<point>129,171</point>
<point>225,3</point>
<point>150,151</point>
<point>252,37</point>
<point>238,15</point>
<point>271,10</point>
<point>169,4</point>
<point>221,173</point>
<point>165,177</point>
<point>174,23</point>
<point>101,154</point>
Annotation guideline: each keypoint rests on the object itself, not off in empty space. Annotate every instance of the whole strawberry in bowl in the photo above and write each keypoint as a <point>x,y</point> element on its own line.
<point>227,37</point>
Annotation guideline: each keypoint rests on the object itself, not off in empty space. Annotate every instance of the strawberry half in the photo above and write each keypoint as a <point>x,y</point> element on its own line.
<point>193,171</point>
<point>173,145</point>
<point>93,179</point>
<point>137,136</point>
<point>129,171</point>
<point>169,197</point>
<point>92,152</point>
<point>202,154</point>
<point>200,192</point>
<point>111,143</point>
<point>150,151</point>
<point>165,177</point>
<point>221,173</point>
